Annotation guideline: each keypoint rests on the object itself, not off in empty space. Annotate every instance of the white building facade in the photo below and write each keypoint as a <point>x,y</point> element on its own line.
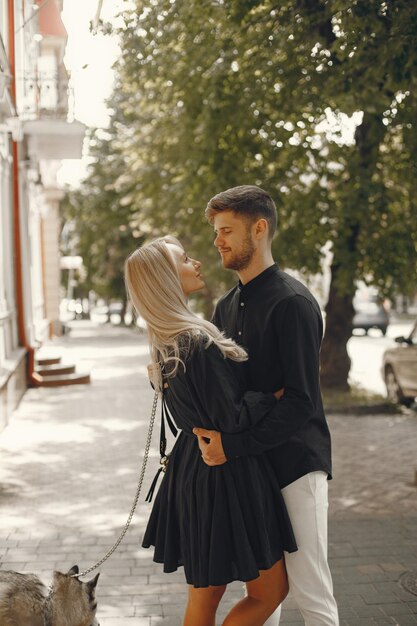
<point>35,134</point>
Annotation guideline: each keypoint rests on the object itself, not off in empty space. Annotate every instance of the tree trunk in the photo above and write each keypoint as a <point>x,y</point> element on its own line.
<point>206,303</point>
<point>335,361</point>
<point>123,312</point>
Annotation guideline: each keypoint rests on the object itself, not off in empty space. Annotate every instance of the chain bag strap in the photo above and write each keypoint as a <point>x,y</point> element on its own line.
<point>164,460</point>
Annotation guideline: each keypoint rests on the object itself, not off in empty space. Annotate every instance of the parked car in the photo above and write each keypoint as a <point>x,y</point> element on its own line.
<point>370,312</point>
<point>399,369</point>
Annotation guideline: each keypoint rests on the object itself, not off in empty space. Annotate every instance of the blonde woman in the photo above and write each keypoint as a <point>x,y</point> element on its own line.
<point>221,523</point>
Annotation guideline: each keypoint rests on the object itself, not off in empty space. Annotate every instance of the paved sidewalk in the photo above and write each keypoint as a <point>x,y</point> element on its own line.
<point>69,462</point>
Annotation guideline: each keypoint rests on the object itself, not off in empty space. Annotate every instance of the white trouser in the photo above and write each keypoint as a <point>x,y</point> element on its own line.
<point>308,571</point>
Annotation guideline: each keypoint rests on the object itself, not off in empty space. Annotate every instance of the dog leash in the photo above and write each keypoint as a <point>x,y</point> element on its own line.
<point>136,498</point>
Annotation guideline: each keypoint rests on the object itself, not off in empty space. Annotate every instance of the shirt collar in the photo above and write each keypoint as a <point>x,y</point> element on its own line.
<point>253,285</point>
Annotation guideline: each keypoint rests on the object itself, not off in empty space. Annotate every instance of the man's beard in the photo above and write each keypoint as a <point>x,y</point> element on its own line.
<point>242,259</point>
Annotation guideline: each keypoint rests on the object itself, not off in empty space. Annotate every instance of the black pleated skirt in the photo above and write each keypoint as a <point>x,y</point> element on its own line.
<point>221,523</point>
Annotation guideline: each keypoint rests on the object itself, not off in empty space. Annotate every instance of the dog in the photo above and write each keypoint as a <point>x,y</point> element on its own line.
<point>25,601</point>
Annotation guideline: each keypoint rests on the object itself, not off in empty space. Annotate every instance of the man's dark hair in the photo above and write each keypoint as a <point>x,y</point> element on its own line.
<point>248,201</point>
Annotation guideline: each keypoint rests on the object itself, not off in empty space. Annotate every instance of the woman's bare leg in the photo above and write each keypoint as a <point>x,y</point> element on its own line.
<point>202,605</point>
<point>264,595</point>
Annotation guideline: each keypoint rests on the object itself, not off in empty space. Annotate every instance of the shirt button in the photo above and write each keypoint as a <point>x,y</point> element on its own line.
<point>242,304</point>
<point>240,332</point>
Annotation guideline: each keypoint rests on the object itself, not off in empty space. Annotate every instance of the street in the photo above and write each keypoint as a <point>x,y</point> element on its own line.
<point>70,458</point>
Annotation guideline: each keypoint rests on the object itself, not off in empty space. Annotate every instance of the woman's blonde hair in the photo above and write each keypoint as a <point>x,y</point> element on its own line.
<point>154,287</point>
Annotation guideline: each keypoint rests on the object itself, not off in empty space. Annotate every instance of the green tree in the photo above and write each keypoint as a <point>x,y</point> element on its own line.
<point>214,94</point>
<point>103,235</point>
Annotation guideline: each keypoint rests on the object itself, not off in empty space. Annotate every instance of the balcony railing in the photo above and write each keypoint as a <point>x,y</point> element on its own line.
<point>44,96</point>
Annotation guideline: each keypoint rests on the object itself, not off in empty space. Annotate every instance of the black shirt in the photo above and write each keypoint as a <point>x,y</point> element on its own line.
<point>278,321</point>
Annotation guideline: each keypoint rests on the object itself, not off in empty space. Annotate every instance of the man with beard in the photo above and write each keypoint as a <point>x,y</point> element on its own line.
<point>278,321</point>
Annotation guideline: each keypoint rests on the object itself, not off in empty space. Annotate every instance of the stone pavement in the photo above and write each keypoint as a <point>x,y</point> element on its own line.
<point>68,473</point>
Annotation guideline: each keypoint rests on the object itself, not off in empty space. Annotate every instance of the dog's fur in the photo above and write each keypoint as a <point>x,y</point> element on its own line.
<point>24,600</point>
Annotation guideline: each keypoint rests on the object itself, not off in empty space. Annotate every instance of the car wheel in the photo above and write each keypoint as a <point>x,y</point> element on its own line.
<point>394,391</point>
<point>383,330</point>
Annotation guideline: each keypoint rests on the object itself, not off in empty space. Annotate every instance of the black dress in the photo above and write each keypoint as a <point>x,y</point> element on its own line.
<point>221,523</point>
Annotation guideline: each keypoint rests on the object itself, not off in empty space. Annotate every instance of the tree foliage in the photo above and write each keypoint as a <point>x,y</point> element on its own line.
<point>101,231</point>
<point>214,93</point>
<point>220,93</point>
